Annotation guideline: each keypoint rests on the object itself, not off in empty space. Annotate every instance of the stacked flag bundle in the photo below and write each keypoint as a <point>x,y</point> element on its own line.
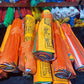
<point>43,47</point>
<point>44,50</point>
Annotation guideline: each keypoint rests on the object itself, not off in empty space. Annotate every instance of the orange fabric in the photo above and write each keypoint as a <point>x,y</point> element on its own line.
<point>21,55</point>
<point>68,48</point>
<point>67,60</point>
<point>30,62</point>
<point>9,56</point>
<point>62,62</point>
<point>66,51</point>
<point>59,63</point>
<point>77,49</point>
<point>27,45</point>
<point>26,59</point>
<point>2,73</point>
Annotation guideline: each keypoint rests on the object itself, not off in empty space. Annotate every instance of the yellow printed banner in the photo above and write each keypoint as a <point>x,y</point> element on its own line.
<point>27,45</point>
<point>45,38</point>
<point>43,46</point>
<point>43,74</point>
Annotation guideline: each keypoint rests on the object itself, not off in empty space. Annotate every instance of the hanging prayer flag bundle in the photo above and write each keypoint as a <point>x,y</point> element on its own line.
<point>75,46</point>
<point>43,74</point>
<point>64,38</point>
<point>43,47</point>
<point>62,64</point>
<point>27,46</point>
<point>9,55</point>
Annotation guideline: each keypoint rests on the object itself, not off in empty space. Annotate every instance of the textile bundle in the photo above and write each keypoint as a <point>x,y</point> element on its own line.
<point>27,62</point>
<point>43,74</point>
<point>57,80</point>
<point>9,55</point>
<point>30,62</point>
<point>43,47</point>
<point>44,50</point>
<point>68,48</point>
<point>75,46</point>
<point>62,64</point>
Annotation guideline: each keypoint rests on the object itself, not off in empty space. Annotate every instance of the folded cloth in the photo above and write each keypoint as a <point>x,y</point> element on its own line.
<point>68,48</point>
<point>57,80</point>
<point>9,56</point>
<point>43,74</point>
<point>27,45</point>
<point>43,47</point>
<point>75,46</point>
<point>62,64</point>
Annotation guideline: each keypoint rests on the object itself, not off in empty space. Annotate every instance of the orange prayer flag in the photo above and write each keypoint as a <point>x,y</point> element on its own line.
<point>9,56</point>
<point>75,46</point>
<point>62,64</point>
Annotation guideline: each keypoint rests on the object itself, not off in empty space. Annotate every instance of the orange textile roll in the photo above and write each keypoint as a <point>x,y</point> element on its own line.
<point>59,63</point>
<point>27,46</point>
<point>68,48</point>
<point>57,80</point>
<point>9,56</point>
<point>66,55</point>
<point>62,64</point>
<point>75,46</point>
